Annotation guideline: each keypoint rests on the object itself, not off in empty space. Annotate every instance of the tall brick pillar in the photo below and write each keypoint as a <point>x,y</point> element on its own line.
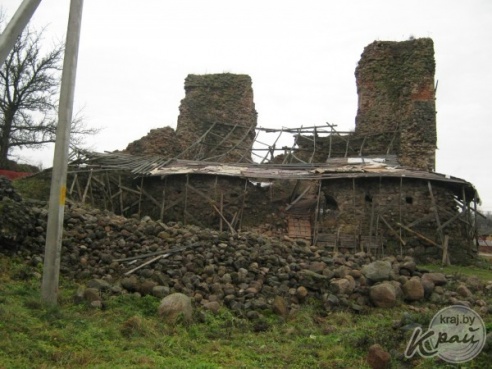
<point>218,111</point>
<point>395,84</point>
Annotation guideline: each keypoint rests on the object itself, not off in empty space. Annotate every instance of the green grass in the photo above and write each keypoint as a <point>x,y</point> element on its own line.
<point>128,334</point>
<point>482,270</point>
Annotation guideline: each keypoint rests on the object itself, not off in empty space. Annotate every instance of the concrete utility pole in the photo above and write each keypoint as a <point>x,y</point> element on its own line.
<point>15,27</point>
<point>54,233</point>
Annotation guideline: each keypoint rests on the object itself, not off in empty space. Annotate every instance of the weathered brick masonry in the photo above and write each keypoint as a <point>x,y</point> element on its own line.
<point>395,84</point>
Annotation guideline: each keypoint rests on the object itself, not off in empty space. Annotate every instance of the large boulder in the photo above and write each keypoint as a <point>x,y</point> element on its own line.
<point>174,307</point>
<point>377,271</point>
<point>439,279</point>
<point>384,295</point>
<point>342,286</point>
<point>413,290</point>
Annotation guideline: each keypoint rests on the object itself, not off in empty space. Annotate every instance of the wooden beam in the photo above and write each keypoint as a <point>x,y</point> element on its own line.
<point>446,223</point>
<point>436,213</point>
<point>147,263</point>
<point>130,206</point>
<point>110,194</point>
<point>245,193</point>
<point>87,187</point>
<point>399,212</point>
<point>121,194</point>
<point>420,220</point>
<point>392,230</point>
<point>419,235</point>
<point>163,204</point>
<point>140,197</point>
<point>174,203</point>
<point>149,196</point>
<point>186,198</point>
<point>298,198</point>
<point>316,215</point>
<point>212,203</point>
<point>445,254</point>
<point>231,228</point>
<point>128,189</point>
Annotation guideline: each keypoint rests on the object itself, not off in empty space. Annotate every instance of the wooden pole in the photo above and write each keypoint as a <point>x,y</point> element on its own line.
<point>399,211</point>
<point>434,209</point>
<point>121,194</point>
<point>16,26</point>
<point>371,222</point>
<point>186,198</point>
<point>392,230</point>
<point>86,189</point>
<point>140,197</point>
<point>221,210</point>
<point>242,205</point>
<point>54,231</point>
<point>445,254</point>
<point>475,237</point>
<point>316,216</point>
<point>163,204</point>
<point>110,193</point>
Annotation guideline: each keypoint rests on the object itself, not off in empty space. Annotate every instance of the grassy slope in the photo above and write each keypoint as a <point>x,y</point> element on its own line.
<point>127,334</point>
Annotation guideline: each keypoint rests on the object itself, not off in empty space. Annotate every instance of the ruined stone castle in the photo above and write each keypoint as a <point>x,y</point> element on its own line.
<point>373,189</point>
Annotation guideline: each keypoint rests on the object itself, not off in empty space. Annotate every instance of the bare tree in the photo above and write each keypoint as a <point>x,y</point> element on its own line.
<point>29,85</point>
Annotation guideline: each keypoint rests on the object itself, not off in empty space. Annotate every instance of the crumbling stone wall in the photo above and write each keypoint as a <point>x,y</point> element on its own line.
<point>225,100</point>
<point>217,122</point>
<point>245,205</point>
<point>395,84</point>
<point>351,206</point>
<point>158,142</point>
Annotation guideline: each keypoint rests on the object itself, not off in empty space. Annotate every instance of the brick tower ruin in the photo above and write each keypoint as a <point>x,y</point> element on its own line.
<point>395,84</point>
<point>217,118</point>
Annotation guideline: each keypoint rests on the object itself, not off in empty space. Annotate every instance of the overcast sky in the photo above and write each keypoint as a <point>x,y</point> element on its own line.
<point>301,56</point>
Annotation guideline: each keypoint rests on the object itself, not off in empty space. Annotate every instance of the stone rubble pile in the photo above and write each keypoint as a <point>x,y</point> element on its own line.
<point>247,272</point>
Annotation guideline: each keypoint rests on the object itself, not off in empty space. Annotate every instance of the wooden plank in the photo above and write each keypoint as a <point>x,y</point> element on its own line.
<point>225,220</point>
<point>147,263</point>
<point>347,241</point>
<point>87,187</point>
<point>110,194</point>
<point>298,198</point>
<point>419,235</point>
<point>420,220</point>
<point>128,189</point>
<point>121,194</point>
<point>73,184</point>
<point>129,207</point>
<point>174,203</point>
<point>116,194</point>
<point>395,233</point>
<point>149,196</point>
<point>316,215</point>
<point>446,223</point>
